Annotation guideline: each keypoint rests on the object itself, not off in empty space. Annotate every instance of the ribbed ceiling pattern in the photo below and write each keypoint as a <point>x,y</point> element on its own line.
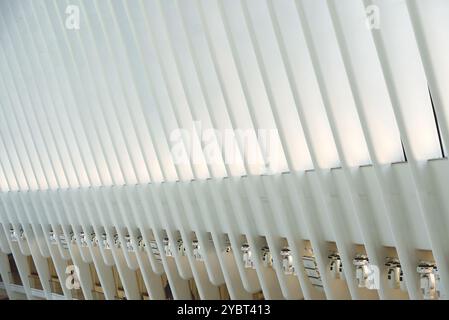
<point>101,105</point>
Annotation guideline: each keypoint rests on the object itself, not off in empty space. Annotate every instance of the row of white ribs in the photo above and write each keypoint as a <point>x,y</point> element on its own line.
<point>365,272</point>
